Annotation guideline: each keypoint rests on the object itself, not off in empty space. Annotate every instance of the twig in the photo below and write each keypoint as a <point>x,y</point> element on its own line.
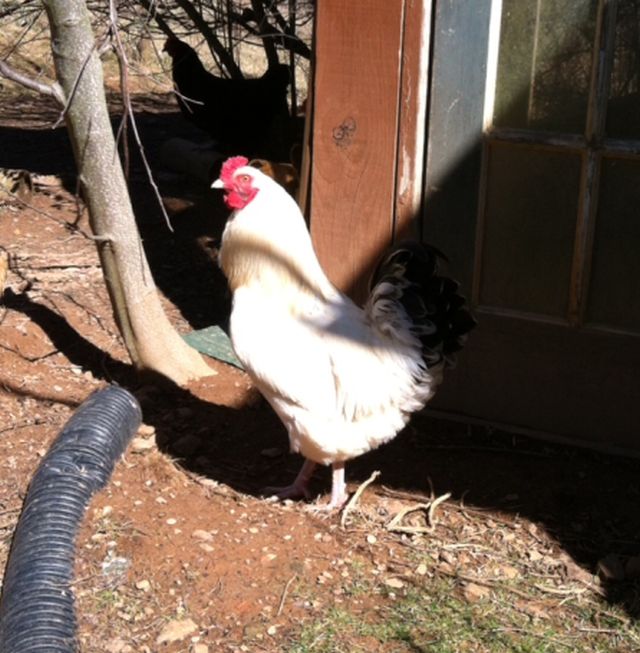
<point>28,27</point>
<point>31,359</point>
<point>126,100</point>
<point>54,90</point>
<point>430,506</point>
<point>561,591</point>
<point>534,634</point>
<point>88,311</point>
<point>434,504</point>
<point>483,582</point>
<point>354,499</point>
<point>284,595</point>
<point>394,524</point>
<point>16,427</point>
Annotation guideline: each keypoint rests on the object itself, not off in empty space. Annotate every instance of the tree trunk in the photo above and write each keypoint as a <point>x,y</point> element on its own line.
<point>152,342</point>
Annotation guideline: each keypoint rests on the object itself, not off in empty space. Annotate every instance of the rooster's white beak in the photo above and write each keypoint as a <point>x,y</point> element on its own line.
<point>218,183</point>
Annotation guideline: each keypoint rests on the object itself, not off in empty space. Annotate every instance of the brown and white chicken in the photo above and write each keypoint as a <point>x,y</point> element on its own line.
<point>342,379</point>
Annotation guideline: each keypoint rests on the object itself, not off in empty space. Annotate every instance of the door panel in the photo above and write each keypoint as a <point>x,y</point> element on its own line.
<point>528,229</point>
<point>556,259</point>
<point>614,296</point>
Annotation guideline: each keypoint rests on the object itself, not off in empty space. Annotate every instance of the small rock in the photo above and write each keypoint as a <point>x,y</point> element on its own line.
<point>139,445</point>
<point>507,571</point>
<point>372,539</point>
<point>267,559</point>
<point>537,609</point>
<point>200,648</point>
<point>143,585</point>
<point>272,630</point>
<point>116,645</point>
<point>421,569</point>
<point>252,631</point>
<point>176,630</point>
<point>203,536</point>
<point>114,568</point>
<point>535,555</point>
<point>324,577</point>
<point>610,568</point>
<point>474,592</point>
<point>394,583</point>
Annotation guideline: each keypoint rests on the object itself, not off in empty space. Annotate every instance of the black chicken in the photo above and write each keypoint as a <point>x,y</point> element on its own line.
<point>239,114</point>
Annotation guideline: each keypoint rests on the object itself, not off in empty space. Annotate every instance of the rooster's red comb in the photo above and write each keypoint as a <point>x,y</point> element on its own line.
<point>230,166</point>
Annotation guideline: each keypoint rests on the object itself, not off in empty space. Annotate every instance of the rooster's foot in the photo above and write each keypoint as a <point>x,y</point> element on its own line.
<point>293,491</point>
<point>299,489</point>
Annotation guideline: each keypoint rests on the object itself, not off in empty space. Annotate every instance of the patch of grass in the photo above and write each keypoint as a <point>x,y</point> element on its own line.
<point>107,599</point>
<point>437,619</point>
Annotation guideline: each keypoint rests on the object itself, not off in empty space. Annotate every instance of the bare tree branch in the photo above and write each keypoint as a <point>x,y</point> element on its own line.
<point>128,113</point>
<point>212,40</point>
<point>264,29</point>
<point>152,12</point>
<point>54,90</point>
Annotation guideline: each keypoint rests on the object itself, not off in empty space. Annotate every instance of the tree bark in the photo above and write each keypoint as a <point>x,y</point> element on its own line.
<point>152,342</point>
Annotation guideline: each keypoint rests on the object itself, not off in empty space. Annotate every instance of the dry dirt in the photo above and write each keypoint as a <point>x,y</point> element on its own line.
<point>179,552</point>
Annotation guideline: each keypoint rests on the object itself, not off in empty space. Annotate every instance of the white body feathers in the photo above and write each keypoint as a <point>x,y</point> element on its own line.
<point>342,379</point>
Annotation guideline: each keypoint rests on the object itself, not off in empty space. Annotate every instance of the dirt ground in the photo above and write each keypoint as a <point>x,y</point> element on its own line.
<point>180,552</point>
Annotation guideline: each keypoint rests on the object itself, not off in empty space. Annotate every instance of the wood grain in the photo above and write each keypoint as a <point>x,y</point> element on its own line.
<point>356,104</point>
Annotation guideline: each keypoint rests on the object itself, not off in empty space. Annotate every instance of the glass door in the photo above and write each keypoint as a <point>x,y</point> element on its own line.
<point>556,263</point>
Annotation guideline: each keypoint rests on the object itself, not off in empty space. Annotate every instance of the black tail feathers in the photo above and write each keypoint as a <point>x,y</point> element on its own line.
<point>437,312</point>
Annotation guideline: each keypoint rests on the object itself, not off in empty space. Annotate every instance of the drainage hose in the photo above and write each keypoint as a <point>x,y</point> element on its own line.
<point>36,605</point>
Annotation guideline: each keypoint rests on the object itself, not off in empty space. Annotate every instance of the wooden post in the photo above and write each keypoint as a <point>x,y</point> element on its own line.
<point>355,136</point>
<point>416,50</point>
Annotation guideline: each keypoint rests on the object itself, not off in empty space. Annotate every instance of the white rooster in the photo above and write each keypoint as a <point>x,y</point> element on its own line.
<point>342,379</point>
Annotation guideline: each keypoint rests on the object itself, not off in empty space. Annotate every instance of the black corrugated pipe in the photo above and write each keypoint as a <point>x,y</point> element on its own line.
<point>36,604</point>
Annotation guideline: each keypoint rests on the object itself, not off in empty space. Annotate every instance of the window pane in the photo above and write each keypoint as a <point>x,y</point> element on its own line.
<point>623,111</point>
<point>614,297</point>
<point>531,210</point>
<point>544,64</point>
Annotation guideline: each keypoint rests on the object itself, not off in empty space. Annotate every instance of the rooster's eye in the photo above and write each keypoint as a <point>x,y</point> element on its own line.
<point>244,178</point>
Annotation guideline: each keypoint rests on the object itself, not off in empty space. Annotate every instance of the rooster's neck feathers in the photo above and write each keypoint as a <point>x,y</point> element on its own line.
<point>266,244</point>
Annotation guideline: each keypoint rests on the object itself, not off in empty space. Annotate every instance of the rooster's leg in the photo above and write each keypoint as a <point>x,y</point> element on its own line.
<point>299,489</point>
<point>338,486</point>
<point>338,491</point>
